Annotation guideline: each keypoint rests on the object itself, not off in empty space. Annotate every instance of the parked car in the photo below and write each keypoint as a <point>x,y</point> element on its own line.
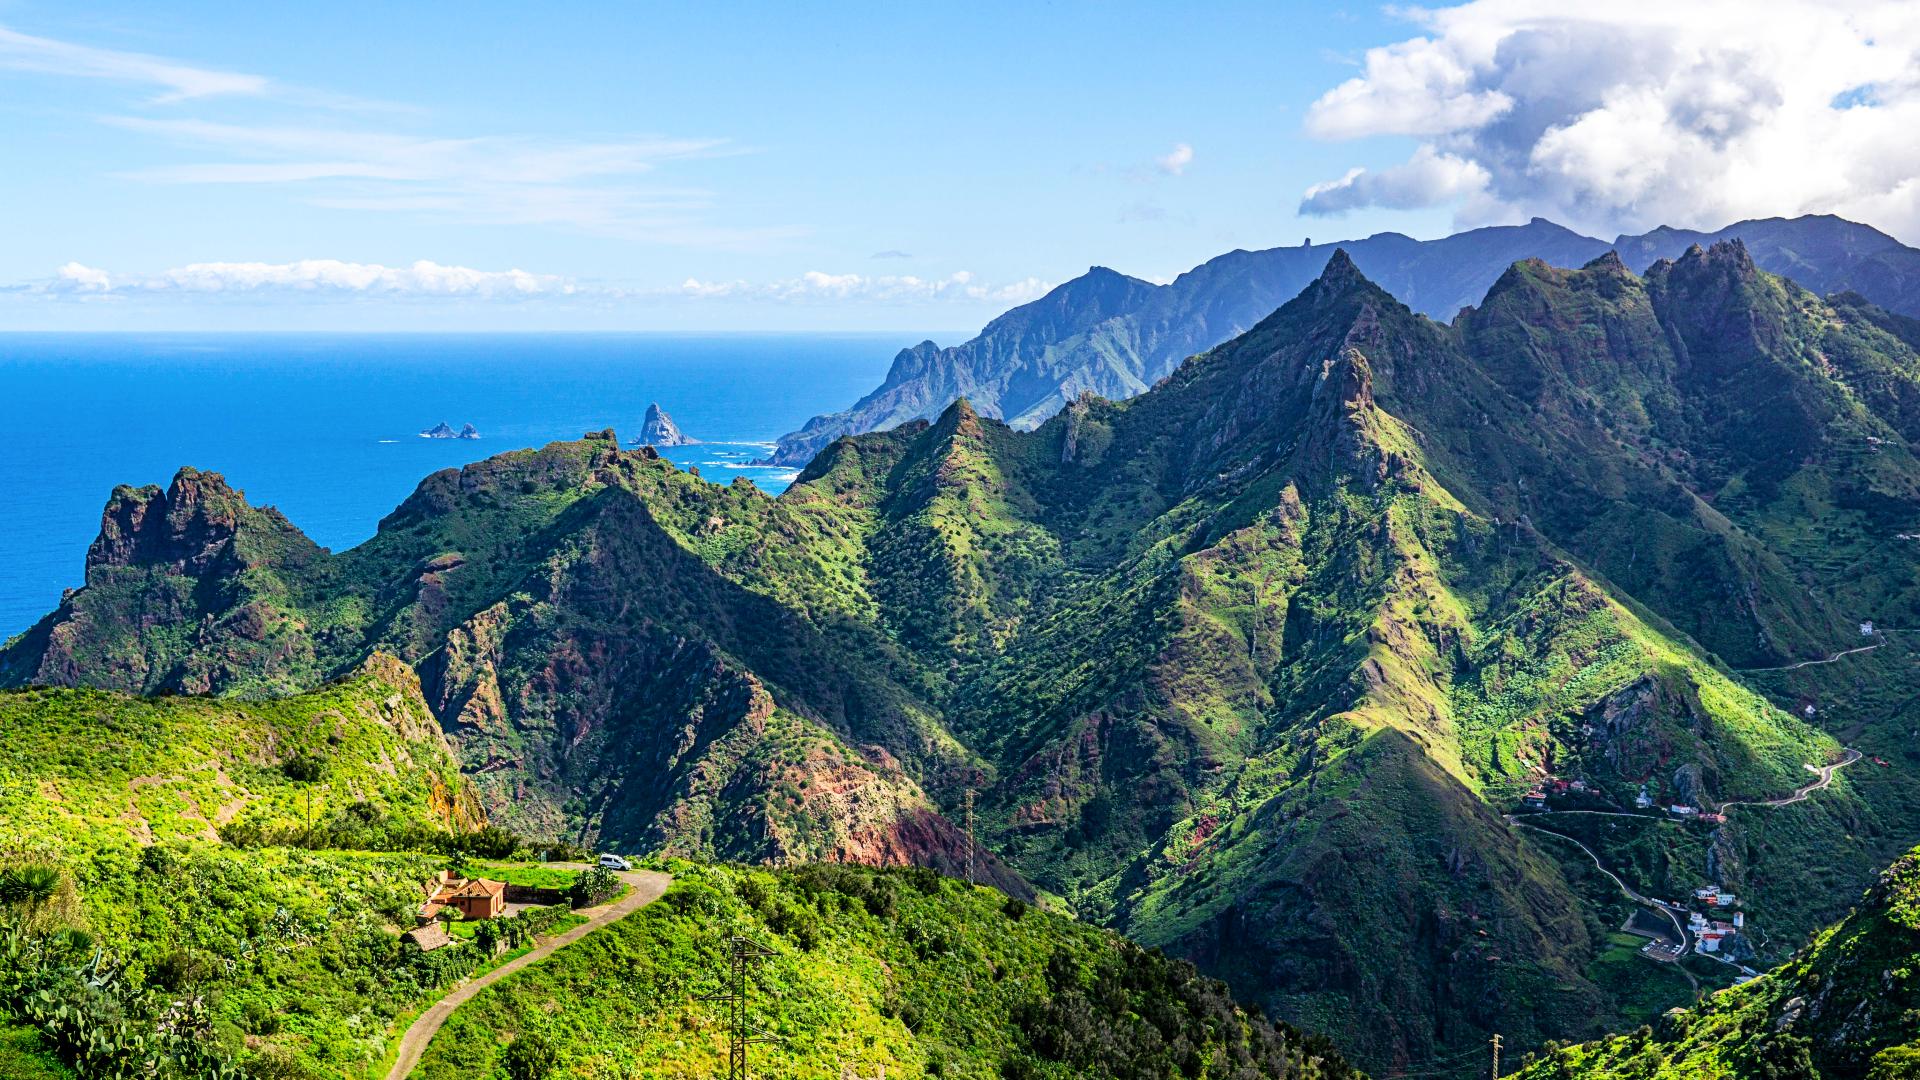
<point>615,862</point>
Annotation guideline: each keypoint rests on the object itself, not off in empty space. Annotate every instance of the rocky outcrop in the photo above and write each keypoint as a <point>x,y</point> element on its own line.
<point>184,528</point>
<point>443,431</point>
<point>658,429</point>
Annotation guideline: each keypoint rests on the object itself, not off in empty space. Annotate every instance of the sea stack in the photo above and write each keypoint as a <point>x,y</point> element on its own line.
<point>443,431</point>
<point>658,429</point>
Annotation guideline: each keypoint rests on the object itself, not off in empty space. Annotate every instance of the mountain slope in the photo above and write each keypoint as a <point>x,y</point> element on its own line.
<point>85,764</point>
<point>1129,340</point>
<point>1248,666</point>
<point>1846,1007</point>
<point>904,974</point>
<point>559,621</point>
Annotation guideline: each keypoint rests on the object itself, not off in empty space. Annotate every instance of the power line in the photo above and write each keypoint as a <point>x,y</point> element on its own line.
<point>743,954</point>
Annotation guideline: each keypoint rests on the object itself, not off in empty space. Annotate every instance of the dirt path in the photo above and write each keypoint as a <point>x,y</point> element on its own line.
<point>646,887</point>
<point>1825,774</point>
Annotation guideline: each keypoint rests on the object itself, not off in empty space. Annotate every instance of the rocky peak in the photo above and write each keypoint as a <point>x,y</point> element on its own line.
<point>1610,264</point>
<point>1727,258</point>
<point>658,429</point>
<point>184,527</point>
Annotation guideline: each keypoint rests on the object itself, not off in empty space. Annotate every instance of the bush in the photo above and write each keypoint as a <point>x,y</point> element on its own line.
<point>594,885</point>
<point>530,1057</point>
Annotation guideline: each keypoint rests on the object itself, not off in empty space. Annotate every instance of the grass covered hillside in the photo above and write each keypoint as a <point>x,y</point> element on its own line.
<point>1251,666</point>
<point>868,971</point>
<point>99,769</point>
<point>1847,1007</point>
<point>165,908</point>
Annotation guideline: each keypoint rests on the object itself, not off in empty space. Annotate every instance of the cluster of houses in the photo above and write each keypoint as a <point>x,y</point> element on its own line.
<point>1552,785</point>
<point>1713,935</point>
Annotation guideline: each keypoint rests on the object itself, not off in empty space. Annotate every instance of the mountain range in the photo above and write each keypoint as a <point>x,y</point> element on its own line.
<point>1114,335</point>
<point>1250,666</point>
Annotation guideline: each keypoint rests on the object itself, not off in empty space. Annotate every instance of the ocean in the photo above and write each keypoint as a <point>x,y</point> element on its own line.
<point>326,426</point>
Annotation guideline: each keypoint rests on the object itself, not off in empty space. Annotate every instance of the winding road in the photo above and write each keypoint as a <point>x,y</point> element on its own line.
<point>1824,772</point>
<point>1679,928</point>
<point>645,887</point>
<point>1812,663</point>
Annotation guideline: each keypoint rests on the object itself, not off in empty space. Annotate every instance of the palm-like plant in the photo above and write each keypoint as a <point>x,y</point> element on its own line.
<point>29,885</point>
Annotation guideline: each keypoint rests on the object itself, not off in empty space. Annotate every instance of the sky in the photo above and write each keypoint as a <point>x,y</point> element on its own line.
<point>876,166</point>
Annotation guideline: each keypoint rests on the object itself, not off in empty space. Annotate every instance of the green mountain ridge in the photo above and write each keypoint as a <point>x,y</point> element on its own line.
<point>1248,666</point>
<point>1116,336</point>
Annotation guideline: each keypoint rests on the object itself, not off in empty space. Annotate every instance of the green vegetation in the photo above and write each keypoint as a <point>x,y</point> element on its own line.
<point>1247,667</point>
<point>908,971</point>
<point>1847,1007</point>
<point>92,765</point>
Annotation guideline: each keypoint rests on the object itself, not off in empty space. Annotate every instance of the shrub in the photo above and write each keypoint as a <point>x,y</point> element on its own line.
<point>530,1057</point>
<point>594,885</point>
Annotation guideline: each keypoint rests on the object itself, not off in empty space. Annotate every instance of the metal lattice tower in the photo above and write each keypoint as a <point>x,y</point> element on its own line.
<point>970,880</point>
<point>743,953</point>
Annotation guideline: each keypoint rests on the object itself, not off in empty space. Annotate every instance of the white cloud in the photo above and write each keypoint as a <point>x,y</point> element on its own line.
<point>312,277</point>
<point>819,286</point>
<point>321,279</point>
<point>178,82</point>
<point>593,185</point>
<point>1175,161</point>
<point>1641,112</point>
<point>1428,178</point>
<point>503,179</point>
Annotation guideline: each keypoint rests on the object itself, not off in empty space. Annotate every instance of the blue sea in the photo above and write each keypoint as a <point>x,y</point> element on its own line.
<point>326,427</point>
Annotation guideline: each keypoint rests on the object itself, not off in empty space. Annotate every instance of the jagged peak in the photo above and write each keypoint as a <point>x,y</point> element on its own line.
<point>184,525</point>
<point>1340,270</point>
<point>1609,263</point>
<point>960,417</point>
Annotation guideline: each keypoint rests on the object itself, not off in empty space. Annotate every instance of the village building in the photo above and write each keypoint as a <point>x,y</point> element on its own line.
<point>1643,800</point>
<point>1682,810</point>
<point>428,937</point>
<point>475,898</point>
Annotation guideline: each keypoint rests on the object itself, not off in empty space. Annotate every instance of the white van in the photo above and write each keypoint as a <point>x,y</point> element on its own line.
<point>615,862</point>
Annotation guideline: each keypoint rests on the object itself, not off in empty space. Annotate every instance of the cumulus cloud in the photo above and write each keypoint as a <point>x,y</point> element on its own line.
<point>1641,113</point>
<point>819,286</point>
<point>1427,178</point>
<point>312,277</point>
<point>1175,161</point>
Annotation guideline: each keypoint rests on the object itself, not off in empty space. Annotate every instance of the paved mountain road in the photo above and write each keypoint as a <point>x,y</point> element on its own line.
<point>1812,663</point>
<point>645,887</point>
<point>1679,928</point>
<point>1825,774</point>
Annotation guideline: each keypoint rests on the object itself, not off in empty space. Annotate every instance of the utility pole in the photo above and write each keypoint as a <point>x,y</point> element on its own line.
<point>1496,1056</point>
<point>970,836</point>
<point>743,953</point>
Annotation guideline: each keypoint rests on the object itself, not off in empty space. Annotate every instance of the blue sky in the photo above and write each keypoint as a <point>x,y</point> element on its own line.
<point>846,166</point>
